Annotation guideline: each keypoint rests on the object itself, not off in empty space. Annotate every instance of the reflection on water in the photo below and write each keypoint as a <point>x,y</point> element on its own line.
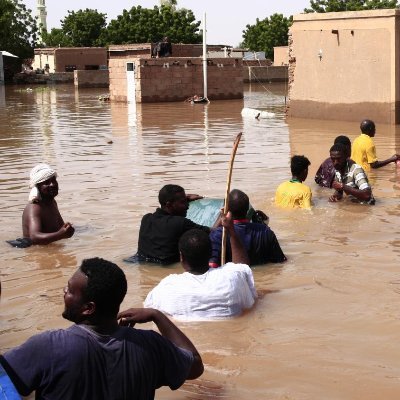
<point>326,324</point>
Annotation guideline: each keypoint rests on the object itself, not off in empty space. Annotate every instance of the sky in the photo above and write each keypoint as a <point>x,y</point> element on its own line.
<point>226,19</point>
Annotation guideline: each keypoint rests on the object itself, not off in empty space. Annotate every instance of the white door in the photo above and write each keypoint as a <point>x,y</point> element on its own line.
<point>130,82</point>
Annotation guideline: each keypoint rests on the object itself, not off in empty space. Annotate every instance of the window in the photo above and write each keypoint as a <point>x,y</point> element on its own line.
<point>70,68</point>
<point>130,66</point>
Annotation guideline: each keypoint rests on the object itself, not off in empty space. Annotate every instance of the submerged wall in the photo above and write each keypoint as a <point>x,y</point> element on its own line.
<point>174,78</point>
<point>345,66</point>
<point>85,79</point>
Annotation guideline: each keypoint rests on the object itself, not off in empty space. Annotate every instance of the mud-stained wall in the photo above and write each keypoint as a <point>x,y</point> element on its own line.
<point>344,66</point>
<point>87,79</point>
<point>68,59</point>
<point>175,78</point>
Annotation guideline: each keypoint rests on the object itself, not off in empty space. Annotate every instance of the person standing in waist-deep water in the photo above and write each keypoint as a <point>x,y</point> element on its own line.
<point>160,231</point>
<point>363,150</point>
<point>41,220</point>
<point>326,172</point>
<point>350,178</point>
<point>294,193</point>
<point>259,240</point>
<point>97,357</point>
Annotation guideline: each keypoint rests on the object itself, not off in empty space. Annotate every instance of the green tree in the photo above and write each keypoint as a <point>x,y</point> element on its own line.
<point>82,28</point>
<point>18,29</point>
<point>267,33</point>
<point>56,38</point>
<point>322,6</point>
<point>143,25</point>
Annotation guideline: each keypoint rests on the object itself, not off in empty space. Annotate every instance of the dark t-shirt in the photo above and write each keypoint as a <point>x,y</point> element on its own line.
<point>325,174</point>
<point>259,240</point>
<point>159,235</point>
<point>77,363</point>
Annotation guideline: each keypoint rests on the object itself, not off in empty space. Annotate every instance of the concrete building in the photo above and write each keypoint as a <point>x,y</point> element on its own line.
<point>281,56</point>
<point>69,59</point>
<point>345,66</point>
<point>136,77</point>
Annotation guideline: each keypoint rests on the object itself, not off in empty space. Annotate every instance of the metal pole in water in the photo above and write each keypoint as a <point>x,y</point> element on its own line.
<point>204,57</point>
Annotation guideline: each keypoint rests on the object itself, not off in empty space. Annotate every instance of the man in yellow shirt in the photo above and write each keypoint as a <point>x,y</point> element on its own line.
<point>294,194</point>
<point>363,149</point>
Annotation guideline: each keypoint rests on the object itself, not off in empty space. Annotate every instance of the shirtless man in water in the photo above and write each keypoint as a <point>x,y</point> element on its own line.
<point>41,220</point>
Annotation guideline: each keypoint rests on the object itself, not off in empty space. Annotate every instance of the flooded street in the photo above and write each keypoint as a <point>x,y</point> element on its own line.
<point>327,323</point>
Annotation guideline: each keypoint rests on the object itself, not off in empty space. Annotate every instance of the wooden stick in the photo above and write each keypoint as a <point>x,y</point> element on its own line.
<point>228,189</point>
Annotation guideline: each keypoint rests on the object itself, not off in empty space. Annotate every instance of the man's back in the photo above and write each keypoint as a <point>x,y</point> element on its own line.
<point>293,194</point>
<point>363,151</point>
<point>259,240</point>
<point>77,363</point>
<point>219,293</point>
<point>159,235</point>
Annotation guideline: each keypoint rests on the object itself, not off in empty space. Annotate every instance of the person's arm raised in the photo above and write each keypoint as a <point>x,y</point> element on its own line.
<point>239,253</point>
<point>167,329</point>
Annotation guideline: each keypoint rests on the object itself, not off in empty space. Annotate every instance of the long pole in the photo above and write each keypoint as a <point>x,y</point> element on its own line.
<point>204,57</point>
<point>228,189</point>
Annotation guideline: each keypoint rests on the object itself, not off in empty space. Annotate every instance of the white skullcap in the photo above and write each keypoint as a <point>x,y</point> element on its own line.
<point>39,174</point>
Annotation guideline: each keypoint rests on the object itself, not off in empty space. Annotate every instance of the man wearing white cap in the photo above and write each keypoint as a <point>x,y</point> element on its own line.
<point>41,221</point>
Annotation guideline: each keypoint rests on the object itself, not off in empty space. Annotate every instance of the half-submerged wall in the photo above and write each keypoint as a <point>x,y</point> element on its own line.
<point>345,66</point>
<point>174,78</point>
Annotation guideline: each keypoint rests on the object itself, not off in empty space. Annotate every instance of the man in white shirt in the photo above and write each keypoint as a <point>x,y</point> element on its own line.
<point>201,292</point>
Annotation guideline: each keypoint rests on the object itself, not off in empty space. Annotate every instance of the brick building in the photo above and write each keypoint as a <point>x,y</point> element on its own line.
<point>136,76</point>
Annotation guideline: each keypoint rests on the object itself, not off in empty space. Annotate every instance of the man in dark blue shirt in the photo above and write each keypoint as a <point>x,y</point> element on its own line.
<point>97,358</point>
<point>258,239</point>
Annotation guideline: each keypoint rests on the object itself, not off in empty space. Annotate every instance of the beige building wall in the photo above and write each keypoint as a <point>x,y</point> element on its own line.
<point>345,66</point>
<point>281,55</point>
<point>77,58</point>
<point>41,59</point>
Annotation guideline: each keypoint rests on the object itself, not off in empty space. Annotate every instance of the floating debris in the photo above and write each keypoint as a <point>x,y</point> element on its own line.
<point>105,97</point>
<point>257,114</point>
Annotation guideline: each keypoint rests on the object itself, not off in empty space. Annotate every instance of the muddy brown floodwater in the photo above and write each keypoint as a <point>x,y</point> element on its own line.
<point>327,323</point>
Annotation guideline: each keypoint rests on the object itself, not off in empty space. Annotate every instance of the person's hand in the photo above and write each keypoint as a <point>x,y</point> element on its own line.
<point>135,315</point>
<point>227,221</point>
<point>396,157</point>
<point>337,185</point>
<point>336,197</point>
<point>193,197</point>
<point>67,230</point>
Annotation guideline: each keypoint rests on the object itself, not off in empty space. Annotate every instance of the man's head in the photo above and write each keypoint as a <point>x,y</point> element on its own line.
<point>173,200</point>
<point>368,127</point>
<point>95,291</point>
<point>338,154</point>
<point>299,167</point>
<point>345,141</point>
<point>195,249</point>
<point>238,204</point>
<point>43,183</point>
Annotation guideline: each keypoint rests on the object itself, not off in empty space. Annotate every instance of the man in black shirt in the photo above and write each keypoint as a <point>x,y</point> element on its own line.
<point>160,231</point>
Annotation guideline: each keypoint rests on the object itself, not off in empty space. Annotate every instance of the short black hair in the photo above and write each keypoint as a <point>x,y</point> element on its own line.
<point>106,285</point>
<point>367,126</point>
<point>168,193</point>
<point>195,246</point>
<point>298,164</point>
<point>343,140</point>
<point>238,203</point>
<point>340,148</point>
